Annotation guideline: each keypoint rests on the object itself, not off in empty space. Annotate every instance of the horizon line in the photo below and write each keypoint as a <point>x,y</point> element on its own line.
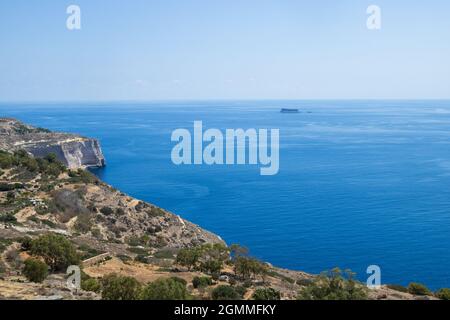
<point>215,100</point>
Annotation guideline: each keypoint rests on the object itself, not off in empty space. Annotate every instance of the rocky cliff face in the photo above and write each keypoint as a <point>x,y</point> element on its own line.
<point>72,150</point>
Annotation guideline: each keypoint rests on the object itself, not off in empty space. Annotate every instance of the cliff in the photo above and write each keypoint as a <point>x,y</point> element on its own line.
<point>72,150</point>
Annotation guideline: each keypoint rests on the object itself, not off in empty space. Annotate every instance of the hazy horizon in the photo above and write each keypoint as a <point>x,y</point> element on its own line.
<point>224,50</point>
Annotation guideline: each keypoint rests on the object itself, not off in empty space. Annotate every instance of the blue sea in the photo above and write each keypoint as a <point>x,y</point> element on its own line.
<point>360,183</point>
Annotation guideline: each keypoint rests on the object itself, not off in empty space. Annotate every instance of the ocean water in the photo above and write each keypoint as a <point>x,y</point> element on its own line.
<point>360,182</point>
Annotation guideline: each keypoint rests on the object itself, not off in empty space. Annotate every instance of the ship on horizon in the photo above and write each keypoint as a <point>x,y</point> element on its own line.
<point>289,110</point>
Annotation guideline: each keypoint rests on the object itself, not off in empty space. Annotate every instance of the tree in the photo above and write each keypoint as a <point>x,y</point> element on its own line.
<point>56,250</point>
<point>35,270</point>
<point>115,287</point>
<point>224,292</point>
<point>266,294</point>
<point>212,257</point>
<point>211,266</point>
<point>165,289</point>
<point>246,267</point>
<point>334,285</point>
<point>188,257</point>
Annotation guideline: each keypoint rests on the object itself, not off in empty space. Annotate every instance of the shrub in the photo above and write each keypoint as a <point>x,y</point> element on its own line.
<point>120,212</point>
<point>83,223</point>
<point>51,158</point>
<point>334,285</point>
<point>241,290</point>
<point>56,250</point>
<point>2,268</point>
<point>443,294</point>
<point>201,282</point>
<point>107,211</point>
<point>397,287</point>
<point>10,196</point>
<point>4,243</point>
<point>418,289</point>
<point>164,254</point>
<point>142,258</point>
<point>91,285</point>
<point>26,243</point>
<point>266,294</point>
<point>6,160</point>
<point>165,289</point>
<point>8,218</point>
<point>116,287</point>
<point>10,187</point>
<point>82,176</point>
<point>35,270</point>
<point>225,293</point>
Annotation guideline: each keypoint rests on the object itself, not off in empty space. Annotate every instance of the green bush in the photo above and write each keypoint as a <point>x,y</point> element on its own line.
<point>334,285</point>
<point>10,187</point>
<point>6,160</point>
<point>225,293</point>
<point>51,158</point>
<point>107,211</point>
<point>443,294</point>
<point>418,289</point>
<point>164,254</point>
<point>83,223</point>
<point>120,212</point>
<point>56,250</point>
<point>142,258</point>
<point>116,287</point>
<point>397,287</point>
<point>91,285</point>
<point>8,218</point>
<point>25,243</point>
<point>165,289</point>
<point>266,294</point>
<point>4,243</point>
<point>35,270</point>
<point>201,282</point>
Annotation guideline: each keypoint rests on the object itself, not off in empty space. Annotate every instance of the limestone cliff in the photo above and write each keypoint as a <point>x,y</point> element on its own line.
<point>72,150</point>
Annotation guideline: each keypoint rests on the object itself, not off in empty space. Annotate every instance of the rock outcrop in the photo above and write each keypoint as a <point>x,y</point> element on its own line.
<point>72,150</point>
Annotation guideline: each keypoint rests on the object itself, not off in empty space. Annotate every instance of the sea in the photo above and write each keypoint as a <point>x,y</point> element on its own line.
<point>360,183</point>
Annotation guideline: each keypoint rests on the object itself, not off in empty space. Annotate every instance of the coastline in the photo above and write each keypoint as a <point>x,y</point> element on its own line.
<point>287,281</point>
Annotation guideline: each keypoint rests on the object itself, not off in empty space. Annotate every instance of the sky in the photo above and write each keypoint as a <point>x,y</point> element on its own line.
<point>223,49</point>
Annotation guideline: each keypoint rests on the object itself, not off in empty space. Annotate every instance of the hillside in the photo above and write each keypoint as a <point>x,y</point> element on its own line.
<point>44,193</point>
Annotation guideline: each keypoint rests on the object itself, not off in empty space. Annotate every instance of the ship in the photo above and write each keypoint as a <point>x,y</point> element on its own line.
<point>289,110</point>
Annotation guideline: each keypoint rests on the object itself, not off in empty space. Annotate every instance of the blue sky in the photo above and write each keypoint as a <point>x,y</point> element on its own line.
<point>224,49</point>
